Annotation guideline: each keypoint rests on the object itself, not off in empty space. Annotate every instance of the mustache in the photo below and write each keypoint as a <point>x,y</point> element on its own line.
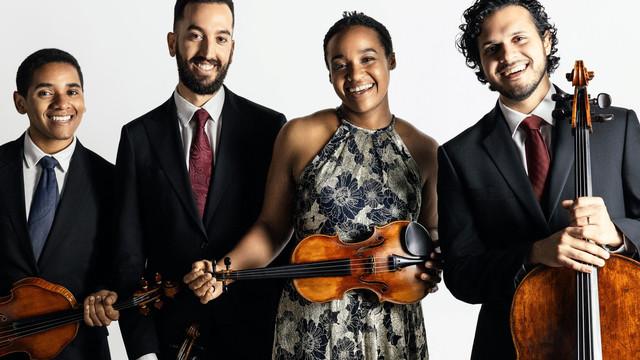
<point>200,59</point>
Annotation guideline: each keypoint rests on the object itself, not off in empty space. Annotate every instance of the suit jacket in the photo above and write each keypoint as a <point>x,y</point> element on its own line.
<point>159,229</point>
<point>489,216</point>
<point>76,252</point>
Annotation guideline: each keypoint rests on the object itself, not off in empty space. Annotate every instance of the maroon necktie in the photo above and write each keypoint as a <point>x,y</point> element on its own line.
<point>537,154</point>
<point>200,161</point>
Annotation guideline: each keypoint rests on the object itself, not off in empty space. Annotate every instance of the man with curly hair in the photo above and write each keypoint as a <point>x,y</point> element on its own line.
<point>516,162</point>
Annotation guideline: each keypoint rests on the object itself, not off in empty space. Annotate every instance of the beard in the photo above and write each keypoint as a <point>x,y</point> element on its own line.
<point>195,84</point>
<point>521,92</point>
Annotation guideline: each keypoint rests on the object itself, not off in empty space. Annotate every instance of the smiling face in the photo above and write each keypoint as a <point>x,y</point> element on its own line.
<point>54,105</point>
<point>514,56</point>
<point>359,69</point>
<point>203,46</point>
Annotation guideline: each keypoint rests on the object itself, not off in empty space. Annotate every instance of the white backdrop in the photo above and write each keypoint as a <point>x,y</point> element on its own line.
<point>279,63</point>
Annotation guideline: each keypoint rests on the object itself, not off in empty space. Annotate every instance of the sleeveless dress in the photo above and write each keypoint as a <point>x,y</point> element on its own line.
<point>361,178</point>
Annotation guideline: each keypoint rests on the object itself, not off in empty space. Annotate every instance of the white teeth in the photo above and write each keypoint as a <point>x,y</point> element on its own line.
<point>360,88</point>
<point>515,69</point>
<point>60,118</point>
<point>204,66</point>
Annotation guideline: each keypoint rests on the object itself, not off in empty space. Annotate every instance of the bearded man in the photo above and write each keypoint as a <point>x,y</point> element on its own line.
<point>506,198</point>
<point>191,176</point>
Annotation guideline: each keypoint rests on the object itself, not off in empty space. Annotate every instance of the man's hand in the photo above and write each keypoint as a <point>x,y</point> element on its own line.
<point>201,281</point>
<point>591,220</point>
<point>431,271</point>
<point>98,308</point>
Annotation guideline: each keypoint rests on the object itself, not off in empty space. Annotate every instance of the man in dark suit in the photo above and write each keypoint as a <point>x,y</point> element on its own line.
<point>55,195</point>
<point>505,184</point>
<point>190,182</point>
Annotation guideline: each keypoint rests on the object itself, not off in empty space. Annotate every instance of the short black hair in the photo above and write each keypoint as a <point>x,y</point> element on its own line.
<point>474,16</point>
<point>37,60</point>
<point>354,18</point>
<point>178,9</point>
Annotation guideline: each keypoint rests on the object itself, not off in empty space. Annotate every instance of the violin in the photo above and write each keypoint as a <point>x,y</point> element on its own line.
<point>40,318</point>
<point>559,313</point>
<point>323,267</point>
<point>187,346</point>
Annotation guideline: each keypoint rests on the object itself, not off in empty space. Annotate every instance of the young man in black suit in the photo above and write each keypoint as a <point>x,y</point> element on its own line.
<point>190,182</point>
<point>505,185</point>
<point>56,196</point>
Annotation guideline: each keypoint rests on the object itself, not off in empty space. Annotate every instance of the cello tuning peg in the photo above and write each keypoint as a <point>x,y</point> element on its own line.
<point>570,76</point>
<point>603,101</point>
<point>227,262</point>
<point>158,279</point>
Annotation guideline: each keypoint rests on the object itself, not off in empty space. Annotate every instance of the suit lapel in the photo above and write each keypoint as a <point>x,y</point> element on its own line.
<point>503,152</point>
<point>164,137</point>
<point>561,164</point>
<point>12,191</point>
<point>72,202</point>
<point>230,134</point>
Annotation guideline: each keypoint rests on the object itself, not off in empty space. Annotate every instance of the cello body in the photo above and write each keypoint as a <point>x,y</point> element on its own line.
<point>543,321</point>
<point>31,297</point>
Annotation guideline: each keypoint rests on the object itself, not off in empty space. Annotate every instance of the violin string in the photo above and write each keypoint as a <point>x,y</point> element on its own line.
<point>39,326</point>
<point>292,272</point>
<point>338,264</point>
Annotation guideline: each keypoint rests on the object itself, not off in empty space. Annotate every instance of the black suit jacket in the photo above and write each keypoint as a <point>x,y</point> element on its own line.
<point>159,229</point>
<point>489,216</point>
<point>76,252</point>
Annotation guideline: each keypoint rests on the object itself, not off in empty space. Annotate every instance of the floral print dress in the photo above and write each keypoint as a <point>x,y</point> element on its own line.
<point>361,178</point>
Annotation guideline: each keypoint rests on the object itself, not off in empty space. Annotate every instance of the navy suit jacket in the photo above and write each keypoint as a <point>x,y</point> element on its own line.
<point>76,254</point>
<point>489,216</point>
<point>159,229</point>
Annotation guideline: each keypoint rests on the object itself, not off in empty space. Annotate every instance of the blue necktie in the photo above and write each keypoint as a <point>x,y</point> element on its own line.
<point>43,205</point>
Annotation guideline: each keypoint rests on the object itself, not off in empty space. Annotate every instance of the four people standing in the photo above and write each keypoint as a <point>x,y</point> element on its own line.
<point>190,184</point>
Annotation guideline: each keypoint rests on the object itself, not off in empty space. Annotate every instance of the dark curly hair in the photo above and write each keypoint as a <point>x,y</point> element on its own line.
<point>474,16</point>
<point>354,18</point>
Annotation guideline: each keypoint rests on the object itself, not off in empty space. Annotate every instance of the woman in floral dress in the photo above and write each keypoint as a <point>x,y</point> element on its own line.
<point>343,171</point>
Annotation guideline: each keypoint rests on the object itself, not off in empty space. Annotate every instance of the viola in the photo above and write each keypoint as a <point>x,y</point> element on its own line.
<point>323,267</point>
<point>40,318</point>
<point>559,313</point>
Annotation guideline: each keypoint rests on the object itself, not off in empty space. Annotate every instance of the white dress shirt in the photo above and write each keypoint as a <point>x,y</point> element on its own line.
<point>544,110</point>
<point>31,171</point>
<point>186,110</point>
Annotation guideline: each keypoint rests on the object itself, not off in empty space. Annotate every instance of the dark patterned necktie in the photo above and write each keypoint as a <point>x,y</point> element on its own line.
<point>200,161</point>
<point>537,154</point>
<point>43,205</point>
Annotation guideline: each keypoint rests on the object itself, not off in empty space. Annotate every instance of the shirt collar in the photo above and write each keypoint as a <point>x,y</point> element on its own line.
<point>186,109</point>
<point>544,110</point>
<point>33,154</point>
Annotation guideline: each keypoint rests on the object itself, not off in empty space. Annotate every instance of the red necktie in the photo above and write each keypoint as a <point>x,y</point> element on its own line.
<point>200,161</point>
<point>537,154</point>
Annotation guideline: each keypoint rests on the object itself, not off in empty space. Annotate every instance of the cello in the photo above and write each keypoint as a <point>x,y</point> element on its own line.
<point>323,267</point>
<point>559,313</point>
<point>40,318</point>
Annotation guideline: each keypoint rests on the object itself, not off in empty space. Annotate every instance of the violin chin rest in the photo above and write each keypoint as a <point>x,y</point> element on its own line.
<point>416,240</point>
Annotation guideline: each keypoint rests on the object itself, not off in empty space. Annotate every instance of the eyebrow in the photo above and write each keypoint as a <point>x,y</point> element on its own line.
<point>198,28</point>
<point>339,56</point>
<point>512,34</point>
<point>41,85</point>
